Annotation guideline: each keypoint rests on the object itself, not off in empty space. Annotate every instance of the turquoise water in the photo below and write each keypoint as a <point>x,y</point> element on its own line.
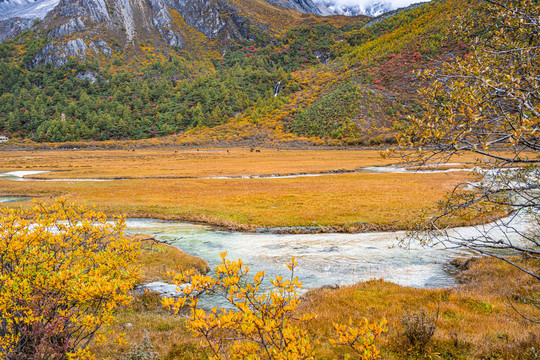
<point>332,259</point>
<point>323,259</point>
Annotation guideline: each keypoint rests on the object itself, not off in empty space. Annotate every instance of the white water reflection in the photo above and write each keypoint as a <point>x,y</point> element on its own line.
<point>328,259</point>
<point>277,176</point>
<point>324,259</point>
<point>405,170</point>
<point>19,175</point>
<point>364,170</point>
<point>8,199</point>
<point>22,175</point>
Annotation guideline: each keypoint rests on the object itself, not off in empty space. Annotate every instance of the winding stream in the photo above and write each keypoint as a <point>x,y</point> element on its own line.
<point>26,175</point>
<point>323,259</point>
<point>22,176</point>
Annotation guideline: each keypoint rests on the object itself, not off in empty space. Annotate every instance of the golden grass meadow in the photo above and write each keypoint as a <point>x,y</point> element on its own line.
<point>186,185</point>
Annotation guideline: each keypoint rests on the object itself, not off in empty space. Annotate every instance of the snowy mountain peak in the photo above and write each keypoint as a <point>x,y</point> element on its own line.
<point>373,9</point>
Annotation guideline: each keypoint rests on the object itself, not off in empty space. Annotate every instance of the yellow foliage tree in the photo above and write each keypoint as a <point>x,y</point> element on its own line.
<point>258,324</point>
<point>64,269</point>
<point>487,102</point>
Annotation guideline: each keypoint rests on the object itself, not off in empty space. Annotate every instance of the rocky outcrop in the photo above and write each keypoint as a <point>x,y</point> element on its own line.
<point>203,15</point>
<point>104,47</point>
<point>59,54</point>
<point>87,76</point>
<point>79,49</point>
<point>71,27</point>
<point>118,18</point>
<point>48,54</point>
<point>163,21</point>
<point>10,28</point>
<point>96,10</point>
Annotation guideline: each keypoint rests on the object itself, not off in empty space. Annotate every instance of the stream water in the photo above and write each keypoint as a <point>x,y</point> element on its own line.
<point>22,176</point>
<point>324,259</point>
<point>8,199</point>
<point>19,175</point>
<point>26,175</point>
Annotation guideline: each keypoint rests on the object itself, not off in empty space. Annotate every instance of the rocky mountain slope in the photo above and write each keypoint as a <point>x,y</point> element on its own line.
<point>214,69</point>
<point>100,28</point>
<point>38,9</point>
<point>94,28</point>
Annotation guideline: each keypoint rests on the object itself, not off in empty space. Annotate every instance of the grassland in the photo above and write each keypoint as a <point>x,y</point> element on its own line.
<point>175,185</point>
<point>473,320</point>
<point>170,163</point>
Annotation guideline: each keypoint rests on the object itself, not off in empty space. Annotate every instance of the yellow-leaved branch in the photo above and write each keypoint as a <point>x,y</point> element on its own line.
<point>64,269</point>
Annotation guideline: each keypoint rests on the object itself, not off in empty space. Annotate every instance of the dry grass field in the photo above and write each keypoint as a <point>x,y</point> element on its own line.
<point>174,184</point>
<point>473,320</point>
<point>170,163</point>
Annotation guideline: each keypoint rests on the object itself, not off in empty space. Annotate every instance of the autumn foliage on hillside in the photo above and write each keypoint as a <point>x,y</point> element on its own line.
<point>148,92</point>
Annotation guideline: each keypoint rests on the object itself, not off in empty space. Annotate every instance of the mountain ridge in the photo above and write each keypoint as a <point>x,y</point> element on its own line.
<point>38,9</point>
<point>97,28</point>
<point>339,81</point>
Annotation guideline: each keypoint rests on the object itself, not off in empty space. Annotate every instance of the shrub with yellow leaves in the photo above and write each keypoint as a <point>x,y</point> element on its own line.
<point>258,324</point>
<point>360,338</point>
<point>64,269</point>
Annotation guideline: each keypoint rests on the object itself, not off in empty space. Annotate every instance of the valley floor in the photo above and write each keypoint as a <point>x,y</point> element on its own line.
<point>236,188</point>
<point>232,188</point>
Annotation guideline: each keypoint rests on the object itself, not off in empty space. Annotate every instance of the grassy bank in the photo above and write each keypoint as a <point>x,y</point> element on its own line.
<point>473,320</point>
<point>158,259</point>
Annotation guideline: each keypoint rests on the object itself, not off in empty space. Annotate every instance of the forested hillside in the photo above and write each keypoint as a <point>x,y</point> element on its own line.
<point>330,79</point>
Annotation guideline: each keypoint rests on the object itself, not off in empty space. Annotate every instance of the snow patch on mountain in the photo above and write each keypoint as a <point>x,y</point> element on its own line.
<point>26,9</point>
<point>307,6</point>
<point>373,8</point>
